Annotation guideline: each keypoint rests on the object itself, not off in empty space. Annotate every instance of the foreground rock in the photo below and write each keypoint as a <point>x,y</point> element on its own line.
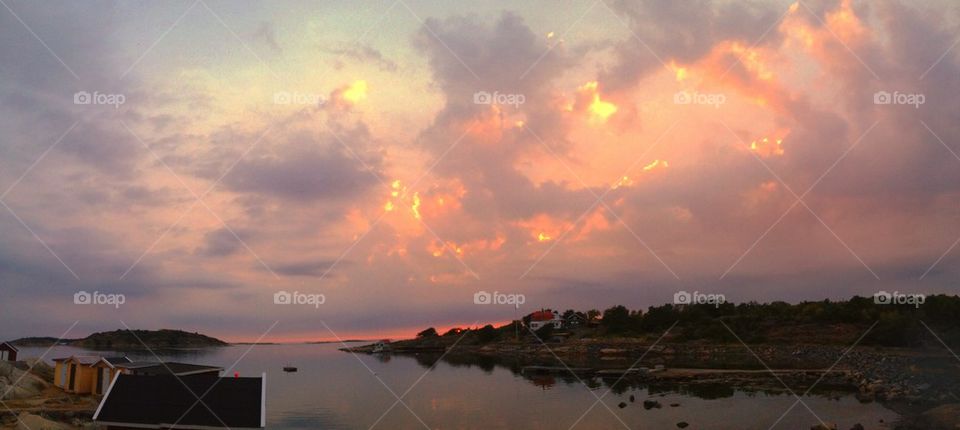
<point>29,385</point>
<point>29,421</point>
<point>942,417</point>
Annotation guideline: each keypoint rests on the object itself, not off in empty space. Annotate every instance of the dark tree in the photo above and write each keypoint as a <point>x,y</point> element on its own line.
<point>430,332</point>
<point>616,319</point>
<point>487,334</point>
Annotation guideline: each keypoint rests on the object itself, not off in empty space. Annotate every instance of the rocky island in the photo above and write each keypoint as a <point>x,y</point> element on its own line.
<point>130,340</point>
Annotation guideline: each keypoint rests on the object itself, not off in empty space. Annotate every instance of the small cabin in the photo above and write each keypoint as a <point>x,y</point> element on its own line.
<point>160,401</point>
<point>8,352</point>
<point>86,374</point>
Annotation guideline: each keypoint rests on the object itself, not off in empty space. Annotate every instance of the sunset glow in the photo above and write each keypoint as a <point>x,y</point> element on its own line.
<point>395,157</point>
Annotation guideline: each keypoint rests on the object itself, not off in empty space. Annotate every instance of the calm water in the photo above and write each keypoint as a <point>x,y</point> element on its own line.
<point>335,390</point>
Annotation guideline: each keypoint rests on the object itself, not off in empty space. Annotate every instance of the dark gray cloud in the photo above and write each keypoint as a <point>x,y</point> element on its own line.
<point>222,242</point>
<point>362,54</point>
<point>305,170</point>
<point>311,268</point>
<point>665,30</point>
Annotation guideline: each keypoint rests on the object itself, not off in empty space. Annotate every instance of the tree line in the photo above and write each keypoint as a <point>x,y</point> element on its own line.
<point>752,322</point>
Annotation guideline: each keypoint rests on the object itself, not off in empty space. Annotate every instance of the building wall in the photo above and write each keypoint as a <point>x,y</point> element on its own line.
<point>86,377</point>
<point>110,374</point>
<point>57,370</point>
<point>7,354</point>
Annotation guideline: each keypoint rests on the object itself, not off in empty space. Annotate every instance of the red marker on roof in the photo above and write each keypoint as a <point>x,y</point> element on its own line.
<point>236,374</point>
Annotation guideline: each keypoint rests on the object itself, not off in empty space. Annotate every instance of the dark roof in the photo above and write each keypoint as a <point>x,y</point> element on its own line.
<point>9,345</point>
<point>94,359</point>
<point>82,359</point>
<point>155,368</point>
<point>159,401</point>
<point>117,360</point>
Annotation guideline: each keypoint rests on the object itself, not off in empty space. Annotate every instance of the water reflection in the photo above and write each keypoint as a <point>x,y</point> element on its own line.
<point>617,385</point>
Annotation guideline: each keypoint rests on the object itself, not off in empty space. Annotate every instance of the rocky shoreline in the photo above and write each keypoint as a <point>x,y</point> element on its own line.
<point>34,403</point>
<point>908,381</point>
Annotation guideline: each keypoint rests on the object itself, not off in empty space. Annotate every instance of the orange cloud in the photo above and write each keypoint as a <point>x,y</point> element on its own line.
<point>349,95</point>
<point>599,110</point>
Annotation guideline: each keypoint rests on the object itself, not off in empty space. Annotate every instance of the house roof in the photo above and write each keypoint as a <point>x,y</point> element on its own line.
<point>157,368</point>
<point>542,316</point>
<point>9,345</point>
<point>161,401</point>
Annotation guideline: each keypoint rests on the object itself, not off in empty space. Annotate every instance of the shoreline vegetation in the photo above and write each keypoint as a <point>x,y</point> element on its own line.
<point>893,354</point>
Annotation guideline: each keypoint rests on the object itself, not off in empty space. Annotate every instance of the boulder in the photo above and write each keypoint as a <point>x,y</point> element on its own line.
<point>650,404</point>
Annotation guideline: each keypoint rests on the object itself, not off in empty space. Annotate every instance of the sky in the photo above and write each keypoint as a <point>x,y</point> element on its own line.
<point>397,159</point>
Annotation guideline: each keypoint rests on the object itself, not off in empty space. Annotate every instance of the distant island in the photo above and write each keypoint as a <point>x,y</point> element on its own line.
<point>130,340</point>
<point>42,341</point>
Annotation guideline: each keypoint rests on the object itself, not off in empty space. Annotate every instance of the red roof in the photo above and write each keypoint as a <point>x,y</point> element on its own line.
<point>541,316</point>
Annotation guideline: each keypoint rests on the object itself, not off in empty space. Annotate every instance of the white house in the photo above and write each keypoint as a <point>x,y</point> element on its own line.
<point>544,317</point>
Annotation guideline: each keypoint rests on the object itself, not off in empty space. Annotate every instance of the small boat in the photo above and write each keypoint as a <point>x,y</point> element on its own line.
<point>289,369</point>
